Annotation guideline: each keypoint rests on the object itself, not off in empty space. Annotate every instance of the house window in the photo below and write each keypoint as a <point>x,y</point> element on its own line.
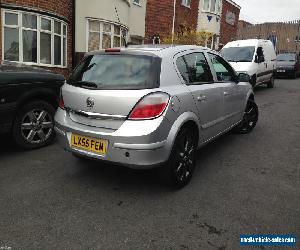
<point>186,3</point>
<point>137,2</point>
<point>218,7</point>
<point>212,6</point>
<point>103,35</point>
<point>34,39</point>
<point>206,5</point>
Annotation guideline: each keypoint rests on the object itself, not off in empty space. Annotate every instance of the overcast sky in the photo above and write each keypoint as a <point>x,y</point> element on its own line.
<point>259,11</point>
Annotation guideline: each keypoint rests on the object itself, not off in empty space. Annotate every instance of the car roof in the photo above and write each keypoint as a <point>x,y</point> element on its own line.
<point>246,42</point>
<point>158,50</point>
<point>18,67</point>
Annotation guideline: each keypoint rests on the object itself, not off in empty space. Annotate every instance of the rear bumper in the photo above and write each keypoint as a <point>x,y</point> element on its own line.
<point>285,72</point>
<point>142,151</point>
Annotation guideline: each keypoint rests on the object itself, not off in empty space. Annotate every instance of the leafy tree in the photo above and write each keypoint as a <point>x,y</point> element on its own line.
<point>189,37</point>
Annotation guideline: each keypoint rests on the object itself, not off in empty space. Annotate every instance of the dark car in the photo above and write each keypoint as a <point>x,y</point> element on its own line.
<point>288,65</point>
<point>28,100</point>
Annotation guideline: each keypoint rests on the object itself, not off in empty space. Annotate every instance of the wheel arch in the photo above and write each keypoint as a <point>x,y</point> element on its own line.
<point>250,96</point>
<point>39,95</point>
<point>189,119</point>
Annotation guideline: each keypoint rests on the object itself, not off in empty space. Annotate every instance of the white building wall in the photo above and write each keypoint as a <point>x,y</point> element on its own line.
<point>128,14</point>
<point>213,25</point>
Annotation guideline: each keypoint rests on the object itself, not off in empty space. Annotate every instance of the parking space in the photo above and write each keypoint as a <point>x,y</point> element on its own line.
<point>243,184</point>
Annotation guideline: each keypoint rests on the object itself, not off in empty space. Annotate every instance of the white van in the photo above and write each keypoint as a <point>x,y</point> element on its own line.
<point>255,57</point>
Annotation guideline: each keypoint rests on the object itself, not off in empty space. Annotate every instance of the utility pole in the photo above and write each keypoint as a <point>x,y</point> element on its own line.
<point>298,36</point>
<point>174,16</point>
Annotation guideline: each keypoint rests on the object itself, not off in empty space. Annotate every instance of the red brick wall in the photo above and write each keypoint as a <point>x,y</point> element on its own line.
<point>187,17</point>
<point>159,17</point>
<point>61,8</point>
<point>228,32</point>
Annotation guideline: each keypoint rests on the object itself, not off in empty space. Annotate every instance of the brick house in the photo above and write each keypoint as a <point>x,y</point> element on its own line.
<point>209,18</point>
<point>229,22</point>
<point>104,24</point>
<point>159,18</point>
<point>37,33</point>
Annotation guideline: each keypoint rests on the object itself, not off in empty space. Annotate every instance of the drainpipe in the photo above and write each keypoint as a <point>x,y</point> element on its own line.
<point>173,26</point>
<point>298,37</point>
<point>73,33</point>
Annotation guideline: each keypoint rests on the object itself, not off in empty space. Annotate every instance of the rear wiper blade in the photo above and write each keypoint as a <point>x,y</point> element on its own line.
<point>84,83</point>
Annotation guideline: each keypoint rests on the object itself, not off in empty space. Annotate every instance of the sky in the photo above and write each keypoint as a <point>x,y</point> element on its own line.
<point>259,11</point>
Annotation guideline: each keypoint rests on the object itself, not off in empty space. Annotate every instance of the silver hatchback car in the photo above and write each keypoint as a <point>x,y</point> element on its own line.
<point>146,107</point>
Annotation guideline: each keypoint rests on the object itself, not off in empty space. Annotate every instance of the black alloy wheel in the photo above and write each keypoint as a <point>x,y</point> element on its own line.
<point>271,83</point>
<point>250,118</point>
<point>179,170</point>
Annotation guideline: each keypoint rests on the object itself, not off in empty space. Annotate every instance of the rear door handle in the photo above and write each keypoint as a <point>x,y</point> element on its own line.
<point>201,98</point>
<point>226,93</point>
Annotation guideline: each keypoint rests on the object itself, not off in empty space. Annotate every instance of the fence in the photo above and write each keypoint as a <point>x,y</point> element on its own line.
<point>284,35</point>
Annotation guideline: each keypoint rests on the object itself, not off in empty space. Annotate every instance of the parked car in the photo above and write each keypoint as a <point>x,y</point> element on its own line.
<point>145,107</point>
<point>28,100</point>
<point>288,64</point>
<point>255,57</point>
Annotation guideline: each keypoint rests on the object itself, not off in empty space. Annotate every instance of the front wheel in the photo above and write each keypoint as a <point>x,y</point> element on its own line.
<point>249,120</point>
<point>34,125</point>
<point>178,172</point>
<point>270,84</point>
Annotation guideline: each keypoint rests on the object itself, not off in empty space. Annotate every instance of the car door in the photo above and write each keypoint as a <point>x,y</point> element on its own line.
<point>262,65</point>
<point>196,74</point>
<point>232,93</point>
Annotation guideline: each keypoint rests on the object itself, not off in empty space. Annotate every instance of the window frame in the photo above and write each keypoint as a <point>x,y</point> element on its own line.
<point>235,76</point>
<point>186,3</point>
<point>137,2</point>
<point>101,31</point>
<point>217,10</point>
<point>38,30</point>
<point>188,83</point>
<point>209,5</point>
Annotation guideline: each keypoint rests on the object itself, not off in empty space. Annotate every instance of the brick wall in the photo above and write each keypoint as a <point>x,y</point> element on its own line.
<point>187,17</point>
<point>286,34</point>
<point>228,32</point>
<point>159,17</point>
<point>60,8</point>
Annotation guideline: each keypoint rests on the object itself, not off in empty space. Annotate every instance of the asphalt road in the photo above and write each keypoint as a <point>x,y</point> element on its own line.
<point>244,184</point>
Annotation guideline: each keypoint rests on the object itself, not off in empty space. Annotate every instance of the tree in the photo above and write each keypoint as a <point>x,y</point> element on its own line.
<point>190,37</point>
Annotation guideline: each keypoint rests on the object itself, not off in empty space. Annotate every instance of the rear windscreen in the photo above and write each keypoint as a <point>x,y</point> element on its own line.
<point>121,71</point>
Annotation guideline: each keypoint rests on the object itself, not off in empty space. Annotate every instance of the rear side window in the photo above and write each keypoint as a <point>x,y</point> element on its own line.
<point>194,68</point>
<point>122,71</point>
<point>223,70</point>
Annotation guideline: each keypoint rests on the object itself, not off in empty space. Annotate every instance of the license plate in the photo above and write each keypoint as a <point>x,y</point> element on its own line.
<point>89,144</point>
<point>281,70</point>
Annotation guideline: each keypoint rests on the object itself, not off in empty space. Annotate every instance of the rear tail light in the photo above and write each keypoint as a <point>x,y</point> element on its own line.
<point>150,107</point>
<point>61,102</point>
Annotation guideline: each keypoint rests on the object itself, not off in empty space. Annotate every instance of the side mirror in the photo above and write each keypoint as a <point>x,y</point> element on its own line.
<point>256,59</point>
<point>243,77</point>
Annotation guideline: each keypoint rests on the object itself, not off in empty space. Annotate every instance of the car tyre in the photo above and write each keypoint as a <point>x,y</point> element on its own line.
<point>253,81</point>
<point>34,125</point>
<point>179,169</point>
<point>250,118</point>
<point>270,84</point>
